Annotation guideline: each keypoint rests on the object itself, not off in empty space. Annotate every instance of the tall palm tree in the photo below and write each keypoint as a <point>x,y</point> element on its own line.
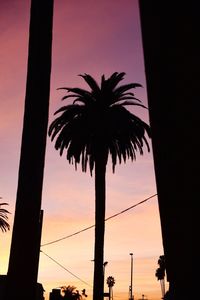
<point>175,128</point>
<point>95,125</point>
<point>4,226</point>
<point>25,244</point>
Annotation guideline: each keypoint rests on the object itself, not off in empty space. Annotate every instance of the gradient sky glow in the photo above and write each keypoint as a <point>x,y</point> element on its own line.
<point>95,37</point>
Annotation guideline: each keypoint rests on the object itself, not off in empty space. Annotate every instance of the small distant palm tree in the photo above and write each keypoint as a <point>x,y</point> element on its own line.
<point>4,226</point>
<point>95,125</point>
<point>160,274</point>
<point>110,282</point>
<point>71,293</point>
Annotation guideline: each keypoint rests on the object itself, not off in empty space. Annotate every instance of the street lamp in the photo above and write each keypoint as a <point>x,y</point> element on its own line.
<point>131,286</point>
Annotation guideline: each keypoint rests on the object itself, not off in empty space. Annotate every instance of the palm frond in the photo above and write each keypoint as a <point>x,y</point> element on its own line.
<point>81,95</point>
<point>114,79</point>
<point>99,117</point>
<point>102,81</point>
<point>69,96</point>
<point>123,88</point>
<point>76,91</point>
<point>4,226</point>
<point>91,82</point>
<point>122,102</point>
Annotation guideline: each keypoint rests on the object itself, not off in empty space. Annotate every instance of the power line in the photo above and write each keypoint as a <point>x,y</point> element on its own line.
<point>87,228</point>
<point>125,210</point>
<point>65,268</point>
<point>113,216</point>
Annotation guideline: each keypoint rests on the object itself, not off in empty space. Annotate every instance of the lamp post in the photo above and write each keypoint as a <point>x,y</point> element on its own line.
<point>131,286</point>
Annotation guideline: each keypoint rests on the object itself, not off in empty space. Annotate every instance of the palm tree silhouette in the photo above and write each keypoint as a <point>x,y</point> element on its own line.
<point>110,282</point>
<point>24,259</point>
<point>4,226</point>
<point>160,274</point>
<point>95,125</point>
<point>70,293</point>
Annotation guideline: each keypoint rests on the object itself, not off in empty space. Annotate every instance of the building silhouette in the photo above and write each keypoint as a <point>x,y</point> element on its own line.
<point>3,281</point>
<point>55,294</point>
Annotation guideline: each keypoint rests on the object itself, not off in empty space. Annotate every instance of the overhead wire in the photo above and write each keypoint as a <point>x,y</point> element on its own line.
<point>87,228</point>
<point>113,216</point>
<point>55,261</point>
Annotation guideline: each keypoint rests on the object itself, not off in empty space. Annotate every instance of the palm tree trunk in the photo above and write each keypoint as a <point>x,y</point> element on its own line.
<point>162,285</point>
<point>172,67</point>
<point>24,256</point>
<point>100,195</point>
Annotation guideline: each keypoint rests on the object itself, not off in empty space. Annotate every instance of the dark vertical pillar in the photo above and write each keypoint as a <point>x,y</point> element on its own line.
<point>22,271</point>
<point>170,34</point>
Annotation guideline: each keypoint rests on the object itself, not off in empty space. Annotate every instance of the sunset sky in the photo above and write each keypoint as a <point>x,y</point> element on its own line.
<point>95,37</point>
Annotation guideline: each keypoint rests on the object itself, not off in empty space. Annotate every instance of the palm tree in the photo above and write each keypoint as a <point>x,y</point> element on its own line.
<point>95,125</point>
<point>25,244</point>
<point>175,131</point>
<point>110,282</point>
<point>71,293</point>
<point>160,274</point>
<point>4,226</point>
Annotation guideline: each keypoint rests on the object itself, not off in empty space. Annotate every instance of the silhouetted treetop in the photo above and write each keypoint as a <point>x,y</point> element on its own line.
<point>97,122</point>
<point>4,226</point>
<point>71,293</point>
<point>160,272</point>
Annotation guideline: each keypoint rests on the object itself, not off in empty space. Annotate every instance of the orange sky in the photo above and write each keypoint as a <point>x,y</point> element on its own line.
<point>95,37</point>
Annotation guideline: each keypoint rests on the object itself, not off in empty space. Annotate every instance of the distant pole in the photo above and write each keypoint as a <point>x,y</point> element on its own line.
<point>104,265</point>
<point>131,286</point>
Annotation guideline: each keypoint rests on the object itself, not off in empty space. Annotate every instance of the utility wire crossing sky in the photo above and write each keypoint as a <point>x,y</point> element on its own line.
<point>58,240</point>
<point>113,216</point>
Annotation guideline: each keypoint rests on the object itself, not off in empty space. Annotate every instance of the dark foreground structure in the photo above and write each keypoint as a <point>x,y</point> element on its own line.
<point>26,234</point>
<point>39,289</point>
<point>170,34</point>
